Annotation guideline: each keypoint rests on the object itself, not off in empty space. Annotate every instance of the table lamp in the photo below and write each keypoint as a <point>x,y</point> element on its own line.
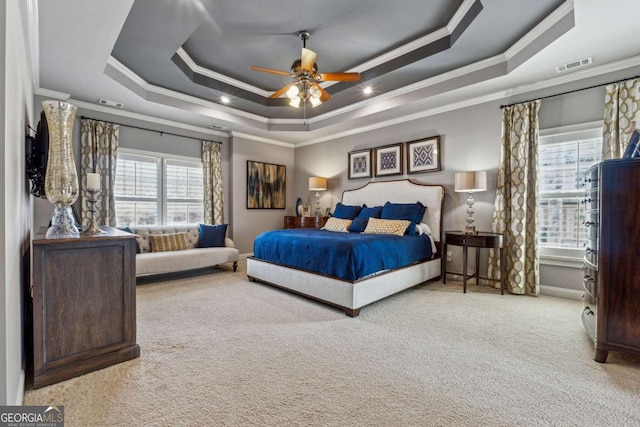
<point>470,182</point>
<point>317,183</point>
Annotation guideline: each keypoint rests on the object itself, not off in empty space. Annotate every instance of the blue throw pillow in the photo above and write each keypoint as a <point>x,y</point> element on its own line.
<point>211,236</point>
<point>373,212</point>
<point>358,224</point>
<point>128,230</point>
<point>407,211</point>
<point>346,211</point>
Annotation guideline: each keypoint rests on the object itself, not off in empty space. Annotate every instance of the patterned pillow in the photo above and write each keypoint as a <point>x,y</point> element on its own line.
<point>337,224</point>
<point>387,226</point>
<point>169,242</point>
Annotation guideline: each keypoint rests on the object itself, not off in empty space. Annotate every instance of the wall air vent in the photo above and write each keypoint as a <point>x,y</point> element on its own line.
<point>573,65</point>
<point>110,103</point>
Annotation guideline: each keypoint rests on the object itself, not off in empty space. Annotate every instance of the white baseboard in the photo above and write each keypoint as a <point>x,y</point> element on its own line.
<point>554,291</point>
<point>20,393</point>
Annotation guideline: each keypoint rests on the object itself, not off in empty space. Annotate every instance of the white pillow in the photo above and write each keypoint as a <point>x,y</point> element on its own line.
<point>423,228</point>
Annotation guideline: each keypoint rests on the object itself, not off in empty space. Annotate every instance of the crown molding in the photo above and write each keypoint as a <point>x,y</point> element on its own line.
<point>494,96</point>
<point>48,93</point>
<point>198,69</point>
<point>145,118</point>
<point>261,139</point>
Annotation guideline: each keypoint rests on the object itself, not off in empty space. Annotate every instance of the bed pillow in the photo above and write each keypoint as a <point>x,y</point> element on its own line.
<point>359,224</point>
<point>128,230</point>
<point>337,224</point>
<point>405,211</point>
<point>169,242</point>
<point>387,226</point>
<point>373,212</point>
<point>346,211</point>
<point>211,236</point>
<point>423,228</point>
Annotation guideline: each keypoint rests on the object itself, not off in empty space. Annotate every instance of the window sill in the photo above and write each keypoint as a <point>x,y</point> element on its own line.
<point>562,261</point>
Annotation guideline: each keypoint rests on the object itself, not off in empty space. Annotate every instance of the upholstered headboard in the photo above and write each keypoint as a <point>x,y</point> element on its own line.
<point>402,191</point>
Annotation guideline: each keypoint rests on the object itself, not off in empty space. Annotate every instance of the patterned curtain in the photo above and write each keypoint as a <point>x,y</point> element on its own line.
<point>516,206</point>
<point>212,175</point>
<point>99,152</point>
<point>621,105</point>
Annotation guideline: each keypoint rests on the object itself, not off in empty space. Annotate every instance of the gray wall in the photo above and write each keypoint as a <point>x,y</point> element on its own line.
<point>251,222</point>
<point>145,140</point>
<point>16,112</point>
<point>470,140</point>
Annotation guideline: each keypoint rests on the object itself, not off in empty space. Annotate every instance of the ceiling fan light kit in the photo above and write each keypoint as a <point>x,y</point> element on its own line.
<point>304,71</point>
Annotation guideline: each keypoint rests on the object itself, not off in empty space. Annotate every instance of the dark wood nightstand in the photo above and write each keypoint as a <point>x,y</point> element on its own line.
<point>479,240</point>
<point>305,221</point>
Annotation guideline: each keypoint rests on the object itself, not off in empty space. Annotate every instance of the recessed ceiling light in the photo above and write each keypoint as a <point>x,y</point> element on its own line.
<point>225,99</point>
<point>367,90</point>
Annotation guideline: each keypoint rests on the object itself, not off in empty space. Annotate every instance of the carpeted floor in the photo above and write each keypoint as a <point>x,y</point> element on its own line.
<point>220,350</point>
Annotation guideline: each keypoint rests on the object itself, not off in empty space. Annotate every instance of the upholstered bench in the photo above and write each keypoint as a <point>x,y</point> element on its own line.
<point>150,261</point>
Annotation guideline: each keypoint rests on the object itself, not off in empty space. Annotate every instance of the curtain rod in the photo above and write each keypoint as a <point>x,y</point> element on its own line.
<point>147,129</point>
<point>570,91</point>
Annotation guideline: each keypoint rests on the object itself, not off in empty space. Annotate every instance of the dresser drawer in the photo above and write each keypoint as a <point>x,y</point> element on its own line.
<point>589,284</point>
<point>591,251</point>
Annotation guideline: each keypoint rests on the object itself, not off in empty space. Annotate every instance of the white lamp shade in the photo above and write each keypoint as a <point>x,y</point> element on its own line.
<point>471,181</point>
<point>317,183</point>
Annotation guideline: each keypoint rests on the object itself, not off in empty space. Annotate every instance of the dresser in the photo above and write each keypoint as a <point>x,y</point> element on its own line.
<point>83,313</point>
<point>611,315</point>
<point>305,221</point>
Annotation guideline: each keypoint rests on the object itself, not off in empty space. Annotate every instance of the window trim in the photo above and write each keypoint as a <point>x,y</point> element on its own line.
<point>161,162</point>
<point>566,257</point>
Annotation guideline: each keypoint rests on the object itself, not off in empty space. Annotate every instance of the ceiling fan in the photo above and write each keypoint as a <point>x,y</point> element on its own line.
<point>305,73</point>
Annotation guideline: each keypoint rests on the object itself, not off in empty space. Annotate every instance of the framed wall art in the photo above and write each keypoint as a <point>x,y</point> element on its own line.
<point>389,160</point>
<point>360,164</point>
<point>265,185</point>
<point>423,155</point>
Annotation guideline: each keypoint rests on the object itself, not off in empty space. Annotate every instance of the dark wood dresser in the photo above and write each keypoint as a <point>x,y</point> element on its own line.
<point>611,271</point>
<point>83,305</point>
<point>305,221</point>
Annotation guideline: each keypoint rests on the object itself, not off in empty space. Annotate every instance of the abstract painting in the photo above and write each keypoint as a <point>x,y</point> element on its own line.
<point>360,164</point>
<point>265,185</point>
<point>423,155</point>
<point>389,160</point>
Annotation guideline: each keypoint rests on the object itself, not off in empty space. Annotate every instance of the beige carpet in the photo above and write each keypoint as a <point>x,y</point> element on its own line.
<point>220,350</point>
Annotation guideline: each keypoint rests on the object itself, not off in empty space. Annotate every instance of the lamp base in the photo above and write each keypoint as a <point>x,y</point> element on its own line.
<point>470,229</point>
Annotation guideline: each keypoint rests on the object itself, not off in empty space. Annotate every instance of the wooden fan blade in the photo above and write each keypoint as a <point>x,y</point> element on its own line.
<point>269,70</point>
<point>340,77</point>
<point>307,59</point>
<point>282,90</point>
<point>325,95</point>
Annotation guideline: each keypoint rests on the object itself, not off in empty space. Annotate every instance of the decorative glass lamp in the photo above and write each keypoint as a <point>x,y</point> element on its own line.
<point>470,182</point>
<point>317,183</point>
<point>61,181</point>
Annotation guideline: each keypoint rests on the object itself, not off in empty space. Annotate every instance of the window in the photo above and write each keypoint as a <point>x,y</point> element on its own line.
<point>155,189</point>
<point>563,159</point>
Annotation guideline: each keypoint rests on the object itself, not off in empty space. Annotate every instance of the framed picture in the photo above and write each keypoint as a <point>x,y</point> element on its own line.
<point>360,164</point>
<point>265,185</point>
<point>327,212</point>
<point>389,160</point>
<point>306,210</point>
<point>423,155</point>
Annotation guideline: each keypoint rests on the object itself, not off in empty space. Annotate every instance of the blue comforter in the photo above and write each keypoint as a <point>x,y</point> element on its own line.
<point>349,256</point>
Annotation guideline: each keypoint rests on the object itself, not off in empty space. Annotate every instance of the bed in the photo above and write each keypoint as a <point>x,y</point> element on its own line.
<point>356,289</point>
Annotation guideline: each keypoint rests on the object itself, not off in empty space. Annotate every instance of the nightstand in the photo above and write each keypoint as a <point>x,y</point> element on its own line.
<point>305,221</point>
<point>478,240</point>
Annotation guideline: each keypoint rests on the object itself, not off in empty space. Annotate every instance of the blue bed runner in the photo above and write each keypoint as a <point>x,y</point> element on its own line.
<point>349,256</point>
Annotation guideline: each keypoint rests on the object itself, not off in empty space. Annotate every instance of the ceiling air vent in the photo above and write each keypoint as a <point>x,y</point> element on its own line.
<point>573,65</point>
<point>110,103</point>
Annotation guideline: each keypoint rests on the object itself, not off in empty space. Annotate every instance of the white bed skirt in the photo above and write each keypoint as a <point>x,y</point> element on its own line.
<point>350,296</point>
